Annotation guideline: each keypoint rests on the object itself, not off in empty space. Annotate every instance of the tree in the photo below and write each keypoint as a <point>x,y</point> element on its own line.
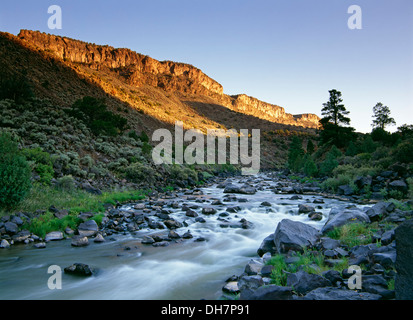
<point>382,116</point>
<point>334,114</point>
<point>334,111</point>
<point>295,154</point>
<point>15,173</point>
<point>310,147</point>
<point>15,87</point>
<point>93,112</point>
<point>405,130</point>
<point>310,168</point>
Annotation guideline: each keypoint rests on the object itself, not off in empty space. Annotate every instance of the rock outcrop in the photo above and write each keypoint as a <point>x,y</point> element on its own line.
<point>139,70</point>
<point>136,69</point>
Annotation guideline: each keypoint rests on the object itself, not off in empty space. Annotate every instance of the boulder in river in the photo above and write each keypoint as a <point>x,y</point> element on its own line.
<point>88,228</point>
<point>79,269</point>
<point>54,236</point>
<point>245,189</point>
<point>209,210</point>
<point>4,244</point>
<point>80,241</point>
<point>305,208</point>
<point>267,245</point>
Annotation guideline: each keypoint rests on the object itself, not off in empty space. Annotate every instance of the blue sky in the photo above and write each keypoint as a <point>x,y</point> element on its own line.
<point>289,53</point>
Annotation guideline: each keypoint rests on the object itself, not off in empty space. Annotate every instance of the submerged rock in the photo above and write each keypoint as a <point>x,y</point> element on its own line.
<point>80,269</point>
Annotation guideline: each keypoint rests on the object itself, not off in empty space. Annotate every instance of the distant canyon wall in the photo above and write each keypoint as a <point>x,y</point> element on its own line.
<point>139,70</point>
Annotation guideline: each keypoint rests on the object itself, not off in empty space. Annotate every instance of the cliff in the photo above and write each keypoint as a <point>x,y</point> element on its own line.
<point>139,70</point>
<point>135,68</point>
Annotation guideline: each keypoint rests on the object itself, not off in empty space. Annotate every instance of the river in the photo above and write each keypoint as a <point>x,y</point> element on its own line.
<point>187,270</point>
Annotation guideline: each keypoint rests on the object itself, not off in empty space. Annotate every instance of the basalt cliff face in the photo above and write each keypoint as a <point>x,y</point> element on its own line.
<point>137,70</point>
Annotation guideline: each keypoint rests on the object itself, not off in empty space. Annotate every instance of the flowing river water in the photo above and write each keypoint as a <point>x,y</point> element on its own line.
<point>187,270</point>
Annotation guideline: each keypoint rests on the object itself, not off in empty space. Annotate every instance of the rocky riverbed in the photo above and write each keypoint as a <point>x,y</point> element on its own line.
<point>183,244</point>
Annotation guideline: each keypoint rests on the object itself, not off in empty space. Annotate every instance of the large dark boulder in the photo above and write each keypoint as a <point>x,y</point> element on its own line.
<point>295,236</point>
<point>88,228</point>
<point>398,185</point>
<point>378,285</point>
<point>341,216</point>
<point>304,282</point>
<point>80,269</point>
<point>267,245</point>
<point>380,210</point>
<point>345,190</point>
<point>245,189</point>
<point>11,227</point>
<point>404,261</point>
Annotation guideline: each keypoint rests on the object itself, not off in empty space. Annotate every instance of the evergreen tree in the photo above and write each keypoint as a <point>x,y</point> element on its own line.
<point>382,116</point>
<point>295,154</point>
<point>334,114</point>
<point>334,111</point>
<point>310,147</point>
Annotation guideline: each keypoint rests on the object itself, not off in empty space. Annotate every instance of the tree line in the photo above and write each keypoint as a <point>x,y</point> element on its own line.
<point>337,138</point>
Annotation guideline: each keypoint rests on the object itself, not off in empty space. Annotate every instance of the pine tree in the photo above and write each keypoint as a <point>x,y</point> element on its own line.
<point>295,154</point>
<point>382,116</point>
<point>334,111</point>
<point>335,114</point>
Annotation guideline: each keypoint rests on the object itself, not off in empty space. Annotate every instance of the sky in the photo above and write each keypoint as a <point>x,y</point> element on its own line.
<point>288,53</point>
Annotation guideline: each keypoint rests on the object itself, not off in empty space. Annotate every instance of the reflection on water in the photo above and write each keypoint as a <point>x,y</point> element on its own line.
<point>187,270</point>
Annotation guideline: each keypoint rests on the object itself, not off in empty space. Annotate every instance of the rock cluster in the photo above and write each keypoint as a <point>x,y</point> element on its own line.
<point>381,262</point>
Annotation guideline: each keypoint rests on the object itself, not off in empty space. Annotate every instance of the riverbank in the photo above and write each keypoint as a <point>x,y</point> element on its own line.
<point>195,223</point>
<point>301,262</point>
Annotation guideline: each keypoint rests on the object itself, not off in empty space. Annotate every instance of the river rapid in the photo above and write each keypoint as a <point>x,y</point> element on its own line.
<point>185,270</point>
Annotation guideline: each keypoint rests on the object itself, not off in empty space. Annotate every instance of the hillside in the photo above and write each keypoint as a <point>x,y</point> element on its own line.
<point>148,93</point>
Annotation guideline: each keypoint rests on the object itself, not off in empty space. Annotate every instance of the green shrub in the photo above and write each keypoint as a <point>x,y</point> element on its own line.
<point>15,173</point>
<point>353,234</point>
<point>334,182</point>
<point>395,194</point>
<point>138,172</point>
<point>46,223</point>
<point>41,162</point>
<point>144,137</point>
<point>182,173</point>
<point>146,148</point>
<point>66,183</point>
<point>87,161</point>
<point>404,152</point>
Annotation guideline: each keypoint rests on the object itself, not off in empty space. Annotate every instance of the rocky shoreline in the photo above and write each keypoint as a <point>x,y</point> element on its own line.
<point>289,239</point>
<point>385,260</point>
